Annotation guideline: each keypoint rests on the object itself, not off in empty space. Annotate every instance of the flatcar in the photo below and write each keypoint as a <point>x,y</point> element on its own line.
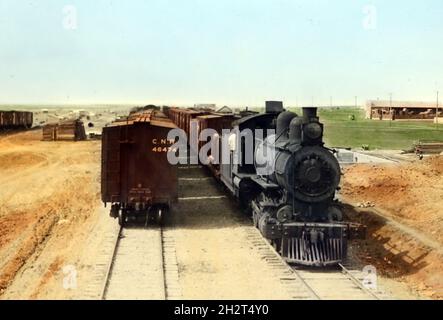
<point>136,177</point>
<point>16,119</point>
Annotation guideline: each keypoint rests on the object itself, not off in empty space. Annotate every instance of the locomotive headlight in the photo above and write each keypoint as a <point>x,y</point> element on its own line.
<point>313,130</point>
<point>313,174</point>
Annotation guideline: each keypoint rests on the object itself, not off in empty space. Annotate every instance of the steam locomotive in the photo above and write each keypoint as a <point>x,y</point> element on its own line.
<point>290,186</point>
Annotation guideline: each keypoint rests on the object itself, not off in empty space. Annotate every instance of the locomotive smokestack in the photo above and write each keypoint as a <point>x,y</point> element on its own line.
<point>309,113</point>
<point>274,106</point>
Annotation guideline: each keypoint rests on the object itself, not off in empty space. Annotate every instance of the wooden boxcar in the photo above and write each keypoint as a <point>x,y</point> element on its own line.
<point>16,119</point>
<point>137,178</point>
<point>216,122</point>
<point>183,117</point>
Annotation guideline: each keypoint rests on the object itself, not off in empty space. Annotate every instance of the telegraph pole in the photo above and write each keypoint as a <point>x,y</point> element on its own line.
<point>436,113</point>
<point>390,109</point>
<point>330,102</point>
<point>355,101</point>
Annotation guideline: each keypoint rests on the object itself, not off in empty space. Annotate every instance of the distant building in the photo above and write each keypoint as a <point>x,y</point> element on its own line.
<point>80,113</point>
<point>402,110</point>
<point>225,109</point>
<point>210,106</point>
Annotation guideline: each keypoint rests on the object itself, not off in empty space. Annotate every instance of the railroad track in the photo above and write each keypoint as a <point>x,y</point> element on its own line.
<point>341,283</point>
<point>143,266</point>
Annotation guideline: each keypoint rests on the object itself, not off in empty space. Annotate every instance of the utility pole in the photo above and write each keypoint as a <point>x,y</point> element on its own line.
<point>436,113</point>
<point>390,109</point>
<point>330,102</point>
<point>355,101</point>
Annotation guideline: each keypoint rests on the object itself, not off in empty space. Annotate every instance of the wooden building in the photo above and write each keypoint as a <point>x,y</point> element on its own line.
<point>402,110</point>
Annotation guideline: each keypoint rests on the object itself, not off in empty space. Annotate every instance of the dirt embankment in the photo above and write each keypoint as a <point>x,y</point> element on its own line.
<point>405,226</point>
<point>49,192</point>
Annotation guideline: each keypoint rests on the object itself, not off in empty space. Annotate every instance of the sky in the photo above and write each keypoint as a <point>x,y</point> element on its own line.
<point>229,52</point>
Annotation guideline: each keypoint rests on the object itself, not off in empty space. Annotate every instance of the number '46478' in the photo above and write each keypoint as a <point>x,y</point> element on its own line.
<point>163,149</point>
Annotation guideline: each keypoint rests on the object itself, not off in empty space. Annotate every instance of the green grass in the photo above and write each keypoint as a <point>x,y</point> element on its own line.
<point>340,131</point>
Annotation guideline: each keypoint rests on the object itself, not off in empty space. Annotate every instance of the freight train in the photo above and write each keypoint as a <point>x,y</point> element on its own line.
<point>288,185</point>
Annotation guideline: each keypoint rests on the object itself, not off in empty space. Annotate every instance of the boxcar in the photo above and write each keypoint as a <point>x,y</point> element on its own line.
<point>137,179</point>
<point>216,122</point>
<point>16,119</point>
<point>183,117</point>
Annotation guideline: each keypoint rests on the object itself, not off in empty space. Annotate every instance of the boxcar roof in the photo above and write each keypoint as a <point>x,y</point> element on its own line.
<point>153,117</point>
<point>209,116</point>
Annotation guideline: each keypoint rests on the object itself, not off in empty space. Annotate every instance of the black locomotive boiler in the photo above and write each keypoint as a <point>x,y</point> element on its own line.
<point>290,187</point>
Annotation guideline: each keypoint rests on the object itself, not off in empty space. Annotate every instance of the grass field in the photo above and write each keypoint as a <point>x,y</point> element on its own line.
<point>340,131</point>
